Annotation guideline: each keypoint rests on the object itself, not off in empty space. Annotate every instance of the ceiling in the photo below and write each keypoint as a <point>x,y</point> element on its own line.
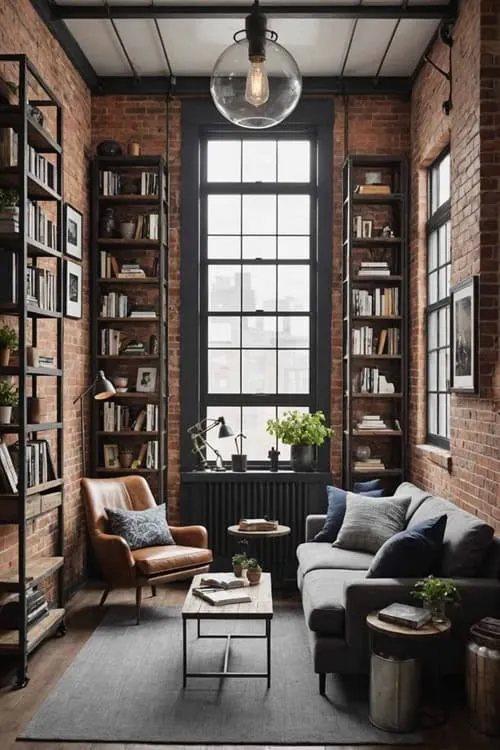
<point>149,42</point>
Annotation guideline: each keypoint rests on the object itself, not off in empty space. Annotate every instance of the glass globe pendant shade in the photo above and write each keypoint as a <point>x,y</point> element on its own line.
<point>256,93</point>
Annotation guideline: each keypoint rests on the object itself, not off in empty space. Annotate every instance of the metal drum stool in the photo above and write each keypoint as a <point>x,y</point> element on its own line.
<point>483,676</point>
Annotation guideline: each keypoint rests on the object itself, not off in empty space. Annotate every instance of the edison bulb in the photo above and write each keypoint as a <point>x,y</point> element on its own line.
<point>257,84</point>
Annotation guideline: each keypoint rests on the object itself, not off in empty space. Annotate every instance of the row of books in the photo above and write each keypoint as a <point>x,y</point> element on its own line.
<point>39,465</point>
<point>152,454</point>
<point>110,183</point>
<point>374,268</point>
<point>376,302</point>
<point>111,341</point>
<point>117,417</point>
<point>41,288</point>
<point>43,169</point>
<point>371,380</point>
<point>365,341</point>
<point>147,227</point>
<point>110,268</point>
<point>11,616</point>
<point>114,305</point>
<point>40,227</point>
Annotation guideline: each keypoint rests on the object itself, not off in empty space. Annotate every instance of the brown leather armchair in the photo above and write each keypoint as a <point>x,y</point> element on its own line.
<point>123,567</point>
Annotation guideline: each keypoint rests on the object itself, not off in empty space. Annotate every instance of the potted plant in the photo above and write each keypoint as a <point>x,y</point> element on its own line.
<point>8,342</point>
<point>9,397</point>
<point>254,571</point>
<point>239,564</point>
<point>9,210</point>
<point>303,432</point>
<point>435,594</point>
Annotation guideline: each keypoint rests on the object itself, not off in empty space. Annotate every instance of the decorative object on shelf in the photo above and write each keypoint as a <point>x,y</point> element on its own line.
<point>102,389</point>
<point>9,397</point>
<point>34,409</point>
<point>387,232</point>
<point>129,186</point>
<point>367,229</point>
<point>146,380</point>
<point>153,344</point>
<point>109,148</point>
<point>198,431</point>
<point>464,338</point>
<point>73,231</point>
<point>255,83</point>
<point>254,571</point>
<point>363,452</point>
<point>111,456</point>
<point>9,210</point>
<point>239,459</point>
<point>8,343</point>
<point>126,457</point>
<point>435,595</point>
<point>107,223</point>
<point>134,148</point>
<point>32,357</point>
<point>373,178</point>
<point>303,431</point>
<point>72,289</point>
<point>127,230</point>
<point>36,114</point>
<point>239,562</point>
<point>121,383</point>
<point>273,456</point>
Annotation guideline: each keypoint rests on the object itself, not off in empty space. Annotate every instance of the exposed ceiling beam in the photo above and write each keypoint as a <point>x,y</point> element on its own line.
<point>196,86</point>
<point>324,10</point>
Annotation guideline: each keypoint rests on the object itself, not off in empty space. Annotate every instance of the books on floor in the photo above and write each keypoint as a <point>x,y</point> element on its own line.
<point>405,614</point>
<point>224,581</point>
<point>218,597</point>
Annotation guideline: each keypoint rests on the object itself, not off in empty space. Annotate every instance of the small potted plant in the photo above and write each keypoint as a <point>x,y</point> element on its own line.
<point>8,342</point>
<point>254,571</point>
<point>9,397</point>
<point>303,432</point>
<point>9,210</point>
<point>435,594</point>
<point>239,564</point>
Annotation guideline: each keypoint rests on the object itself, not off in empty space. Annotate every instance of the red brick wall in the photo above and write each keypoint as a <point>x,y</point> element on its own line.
<point>23,32</point>
<point>471,130</point>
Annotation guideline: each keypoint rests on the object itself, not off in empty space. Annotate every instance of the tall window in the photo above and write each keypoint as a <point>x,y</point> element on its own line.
<point>438,302</point>
<point>258,197</point>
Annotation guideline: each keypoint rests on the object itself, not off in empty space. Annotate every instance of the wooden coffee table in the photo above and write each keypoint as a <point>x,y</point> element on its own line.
<point>260,608</point>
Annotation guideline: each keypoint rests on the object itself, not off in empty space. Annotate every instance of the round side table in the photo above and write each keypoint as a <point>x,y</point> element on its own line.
<point>395,680</point>
<point>244,537</point>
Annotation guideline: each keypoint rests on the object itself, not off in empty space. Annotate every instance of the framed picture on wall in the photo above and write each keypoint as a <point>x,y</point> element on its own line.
<point>72,289</point>
<point>73,232</point>
<point>464,335</point>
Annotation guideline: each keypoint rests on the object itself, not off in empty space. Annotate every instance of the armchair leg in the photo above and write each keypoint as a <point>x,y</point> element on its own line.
<point>153,590</point>
<point>138,599</point>
<point>322,683</point>
<point>104,596</point>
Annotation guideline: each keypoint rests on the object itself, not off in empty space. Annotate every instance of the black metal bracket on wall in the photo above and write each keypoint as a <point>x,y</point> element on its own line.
<point>447,39</point>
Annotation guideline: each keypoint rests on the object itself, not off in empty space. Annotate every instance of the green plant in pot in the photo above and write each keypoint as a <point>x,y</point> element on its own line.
<point>254,571</point>
<point>239,564</point>
<point>9,210</point>
<point>303,432</point>
<point>8,342</point>
<point>435,595</point>
<point>9,397</point>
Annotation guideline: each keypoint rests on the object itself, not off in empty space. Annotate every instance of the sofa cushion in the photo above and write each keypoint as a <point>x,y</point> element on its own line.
<point>466,538</point>
<point>412,553</point>
<point>367,525</point>
<point>336,511</point>
<point>416,495</point>
<point>368,486</point>
<point>323,600</point>
<point>314,556</point>
<point>140,528</point>
<point>155,560</point>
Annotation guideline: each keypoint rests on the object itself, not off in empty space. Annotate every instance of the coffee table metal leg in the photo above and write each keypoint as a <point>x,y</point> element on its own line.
<point>184,651</point>
<point>268,644</point>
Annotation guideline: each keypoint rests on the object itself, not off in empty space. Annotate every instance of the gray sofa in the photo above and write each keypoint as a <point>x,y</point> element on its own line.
<point>337,595</point>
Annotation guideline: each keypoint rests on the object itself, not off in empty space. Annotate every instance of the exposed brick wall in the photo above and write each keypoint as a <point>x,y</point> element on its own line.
<point>23,32</point>
<point>471,130</point>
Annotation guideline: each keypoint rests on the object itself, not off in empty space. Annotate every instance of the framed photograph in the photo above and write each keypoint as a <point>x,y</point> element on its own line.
<point>73,232</point>
<point>72,289</point>
<point>367,228</point>
<point>146,380</point>
<point>464,335</point>
<point>111,456</point>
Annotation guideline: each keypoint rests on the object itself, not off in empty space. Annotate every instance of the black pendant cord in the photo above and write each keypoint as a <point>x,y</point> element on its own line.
<point>122,44</point>
<point>447,39</point>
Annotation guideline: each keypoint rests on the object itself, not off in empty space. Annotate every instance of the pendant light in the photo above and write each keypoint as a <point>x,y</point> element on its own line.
<point>256,82</point>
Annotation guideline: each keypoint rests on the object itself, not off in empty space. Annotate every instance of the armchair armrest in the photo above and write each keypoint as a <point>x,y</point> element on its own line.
<point>314,523</point>
<point>190,536</point>
<point>115,558</point>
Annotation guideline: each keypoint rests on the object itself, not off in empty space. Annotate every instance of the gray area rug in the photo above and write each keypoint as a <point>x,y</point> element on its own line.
<point>126,686</point>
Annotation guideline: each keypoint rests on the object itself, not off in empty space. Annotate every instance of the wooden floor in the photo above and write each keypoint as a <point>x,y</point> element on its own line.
<point>49,662</point>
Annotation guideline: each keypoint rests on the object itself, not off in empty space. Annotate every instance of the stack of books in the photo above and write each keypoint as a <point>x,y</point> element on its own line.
<point>217,596</point>
<point>224,581</point>
<point>46,360</point>
<point>372,422</point>
<point>405,614</point>
<point>368,465</point>
<point>374,268</point>
<point>373,189</point>
<point>134,348</point>
<point>257,524</point>
<point>131,270</point>
<point>36,606</point>
<point>142,311</point>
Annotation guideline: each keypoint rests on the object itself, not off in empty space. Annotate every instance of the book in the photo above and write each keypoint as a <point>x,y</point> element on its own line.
<point>257,524</point>
<point>218,597</point>
<point>374,189</point>
<point>405,614</point>
<point>224,581</point>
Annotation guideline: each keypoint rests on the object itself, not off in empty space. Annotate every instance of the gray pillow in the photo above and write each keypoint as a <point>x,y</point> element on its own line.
<point>140,528</point>
<point>367,525</point>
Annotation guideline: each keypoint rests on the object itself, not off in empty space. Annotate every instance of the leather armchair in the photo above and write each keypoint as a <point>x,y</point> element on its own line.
<point>123,567</point>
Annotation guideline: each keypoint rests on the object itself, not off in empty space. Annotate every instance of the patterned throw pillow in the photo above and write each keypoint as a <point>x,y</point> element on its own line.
<point>367,525</point>
<point>140,528</point>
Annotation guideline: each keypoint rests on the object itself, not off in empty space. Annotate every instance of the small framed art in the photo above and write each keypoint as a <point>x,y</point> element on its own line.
<point>73,232</point>
<point>111,456</point>
<point>146,380</point>
<point>464,335</point>
<point>367,227</point>
<point>72,289</point>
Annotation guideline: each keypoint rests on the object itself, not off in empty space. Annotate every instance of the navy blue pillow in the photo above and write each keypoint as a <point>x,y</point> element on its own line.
<point>336,511</point>
<point>412,553</point>
<point>370,484</point>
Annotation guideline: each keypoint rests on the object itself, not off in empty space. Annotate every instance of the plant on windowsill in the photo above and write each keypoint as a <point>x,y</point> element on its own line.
<point>435,594</point>
<point>239,564</point>
<point>254,571</point>
<point>303,432</point>
<point>9,397</point>
<point>8,342</point>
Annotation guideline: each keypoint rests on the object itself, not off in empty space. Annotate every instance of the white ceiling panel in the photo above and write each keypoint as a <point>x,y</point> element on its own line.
<point>100,46</point>
<point>410,41</point>
<point>368,46</point>
<point>143,46</point>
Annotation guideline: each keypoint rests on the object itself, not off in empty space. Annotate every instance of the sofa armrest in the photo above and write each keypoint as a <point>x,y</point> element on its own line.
<point>115,558</point>
<point>479,597</point>
<point>314,523</point>
<point>190,536</point>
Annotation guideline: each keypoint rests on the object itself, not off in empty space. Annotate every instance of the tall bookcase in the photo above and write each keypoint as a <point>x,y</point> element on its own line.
<point>130,316</point>
<point>32,295</point>
<point>375,319</point>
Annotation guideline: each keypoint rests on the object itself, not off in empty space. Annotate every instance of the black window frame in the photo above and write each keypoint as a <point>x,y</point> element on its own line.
<point>200,120</point>
<point>435,220</point>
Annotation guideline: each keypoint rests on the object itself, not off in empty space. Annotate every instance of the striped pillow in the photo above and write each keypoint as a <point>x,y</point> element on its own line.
<point>367,525</point>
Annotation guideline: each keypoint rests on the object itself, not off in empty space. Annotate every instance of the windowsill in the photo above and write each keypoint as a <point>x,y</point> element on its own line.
<point>439,456</point>
<point>252,475</point>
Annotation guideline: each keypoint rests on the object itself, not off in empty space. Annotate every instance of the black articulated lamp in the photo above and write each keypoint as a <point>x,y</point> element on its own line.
<point>256,83</point>
<point>197,433</point>
<point>103,389</point>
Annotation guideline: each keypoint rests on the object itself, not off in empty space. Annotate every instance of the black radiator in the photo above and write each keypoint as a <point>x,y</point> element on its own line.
<point>219,501</point>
